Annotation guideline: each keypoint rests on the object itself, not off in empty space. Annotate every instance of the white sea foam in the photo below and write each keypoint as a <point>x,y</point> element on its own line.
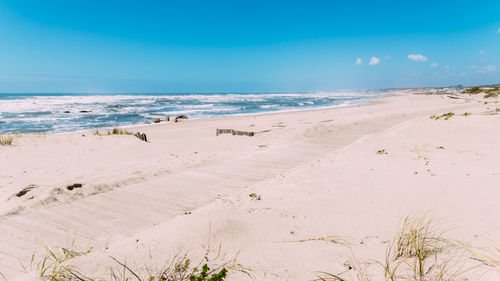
<point>62,113</point>
<point>270,105</point>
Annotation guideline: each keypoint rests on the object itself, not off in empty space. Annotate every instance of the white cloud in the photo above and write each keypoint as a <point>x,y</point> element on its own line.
<point>359,61</point>
<point>374,61</point>
<point>491,68</point>
<point>481,52</point>
<point>434,64</point>
<point>417,57</point>
<point>498,30</point>
<point>447,67</point>
<point>488,68</point>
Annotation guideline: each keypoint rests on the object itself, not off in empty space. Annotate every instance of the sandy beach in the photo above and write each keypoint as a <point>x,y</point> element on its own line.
<point>312,191</point>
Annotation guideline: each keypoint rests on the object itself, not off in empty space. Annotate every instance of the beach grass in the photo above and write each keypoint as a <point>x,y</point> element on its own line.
<point>492,91</point>
<point>179,269</point>
<point>492,94</point>
<point>472,90</point>
<point>413,254</point>
<point>114,131</point>
<point>445,116</point>
<point>56,266</point>
<point>422,252</point>
<point>6,140</point>
<point>419,252</point>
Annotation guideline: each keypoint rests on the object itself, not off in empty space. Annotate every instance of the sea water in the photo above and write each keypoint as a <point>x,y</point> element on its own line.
<point>76,112</point>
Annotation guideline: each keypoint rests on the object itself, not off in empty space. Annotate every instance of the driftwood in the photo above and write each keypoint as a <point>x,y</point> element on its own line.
<point>223,131</point>
<point>491,112</point>
<point>234,132</point>
<point>142,136</point>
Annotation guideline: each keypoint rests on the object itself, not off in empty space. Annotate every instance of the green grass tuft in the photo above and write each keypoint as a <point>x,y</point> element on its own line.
<point>491,91</point>
<point>445,116</point>
<point>179,269</point>
<point>492,94</point>
<point>472,91</point>
<point>255,196</point>
<point>56,266</point>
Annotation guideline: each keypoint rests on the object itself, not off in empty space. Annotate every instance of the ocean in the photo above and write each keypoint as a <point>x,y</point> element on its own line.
<point>61,113</point>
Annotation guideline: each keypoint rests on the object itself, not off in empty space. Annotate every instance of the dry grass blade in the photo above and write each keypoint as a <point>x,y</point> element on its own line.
<point>488,257</point>
<point>328,277</point>
<point>54,265</point>
<point>77,275</point>
<point>330,238</point>
<point>126,267</point>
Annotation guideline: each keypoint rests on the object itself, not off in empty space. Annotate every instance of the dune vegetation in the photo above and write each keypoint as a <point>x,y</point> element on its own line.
<point>489,91</point>
<point>6,140</point>
<point>445,116</point>
<point>422,252</point>
<point>59,266</point>
<point>114,131</point>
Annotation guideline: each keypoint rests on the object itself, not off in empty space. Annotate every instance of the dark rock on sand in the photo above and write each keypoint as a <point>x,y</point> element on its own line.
<point>67,111</point>
<point>180,117</point>
<point>73,186</point>
<point>157,120</point>
<point>167,118</point>
<point>85,111</point>
<point>26,190</point>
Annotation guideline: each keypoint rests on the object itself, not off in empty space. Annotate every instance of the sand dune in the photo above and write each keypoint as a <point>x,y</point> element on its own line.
<point>317,173</point>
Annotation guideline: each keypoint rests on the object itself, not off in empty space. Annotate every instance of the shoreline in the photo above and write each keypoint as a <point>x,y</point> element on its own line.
<point>222,117</point>
<point>360,102</point>
<point>355,102</point>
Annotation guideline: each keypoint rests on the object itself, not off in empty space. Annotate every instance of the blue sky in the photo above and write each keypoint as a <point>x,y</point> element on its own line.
<point>245,46</point>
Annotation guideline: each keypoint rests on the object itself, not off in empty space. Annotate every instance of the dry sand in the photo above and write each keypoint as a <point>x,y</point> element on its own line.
<point>318,174</point>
